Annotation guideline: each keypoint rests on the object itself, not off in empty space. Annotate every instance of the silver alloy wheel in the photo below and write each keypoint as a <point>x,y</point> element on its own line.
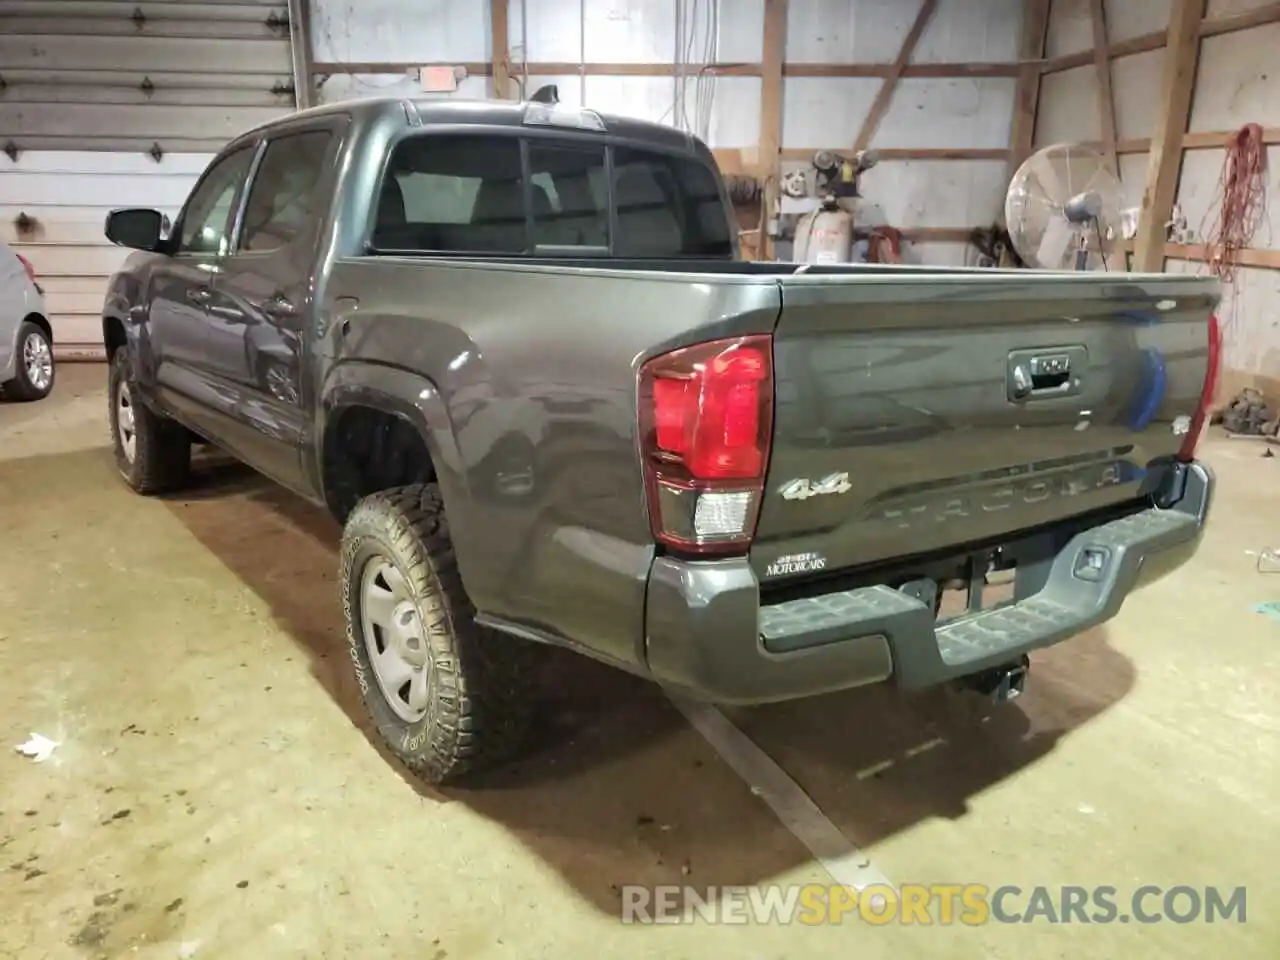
<point>395,639</point>
<point>38,360</point>
<point>126,427</point>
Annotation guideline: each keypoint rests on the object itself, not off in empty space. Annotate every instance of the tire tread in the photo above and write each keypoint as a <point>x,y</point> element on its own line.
<point>483,678</point>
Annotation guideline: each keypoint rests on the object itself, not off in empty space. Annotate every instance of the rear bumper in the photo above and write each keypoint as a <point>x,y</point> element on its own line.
<point>708,635</point>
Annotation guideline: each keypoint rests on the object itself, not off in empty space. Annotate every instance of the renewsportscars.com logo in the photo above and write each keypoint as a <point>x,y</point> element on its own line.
<point>939,904</point>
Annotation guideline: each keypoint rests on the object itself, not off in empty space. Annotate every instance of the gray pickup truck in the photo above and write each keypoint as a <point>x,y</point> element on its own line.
<point>510,347</point>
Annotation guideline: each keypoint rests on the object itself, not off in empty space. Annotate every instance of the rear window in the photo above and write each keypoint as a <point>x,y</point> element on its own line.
<point>465,193</point>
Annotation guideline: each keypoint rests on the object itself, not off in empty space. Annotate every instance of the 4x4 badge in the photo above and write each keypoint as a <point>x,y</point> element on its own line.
<point>802,488</point>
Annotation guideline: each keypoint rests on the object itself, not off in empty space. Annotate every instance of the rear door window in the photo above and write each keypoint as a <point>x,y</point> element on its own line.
<point>282,200</point>
<point>452,194</point>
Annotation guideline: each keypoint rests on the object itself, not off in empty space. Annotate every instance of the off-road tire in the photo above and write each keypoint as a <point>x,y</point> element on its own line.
<point>162,447</point>
<point>480,685</point>
<point>20,388</point>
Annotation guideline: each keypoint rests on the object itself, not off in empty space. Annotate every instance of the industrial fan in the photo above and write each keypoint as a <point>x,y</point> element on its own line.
<point>1063,209</point>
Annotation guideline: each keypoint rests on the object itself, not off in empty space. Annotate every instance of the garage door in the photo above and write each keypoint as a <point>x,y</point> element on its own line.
<point>110,103</point>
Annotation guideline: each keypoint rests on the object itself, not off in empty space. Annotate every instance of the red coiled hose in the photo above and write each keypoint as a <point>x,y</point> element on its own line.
<point>1243,191</point>
<point>884,245</point>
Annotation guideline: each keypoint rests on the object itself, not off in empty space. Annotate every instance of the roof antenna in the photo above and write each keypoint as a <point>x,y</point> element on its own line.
<point>549,93</point>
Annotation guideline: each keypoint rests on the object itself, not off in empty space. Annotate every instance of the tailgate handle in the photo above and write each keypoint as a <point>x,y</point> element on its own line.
<point>1032,375</point>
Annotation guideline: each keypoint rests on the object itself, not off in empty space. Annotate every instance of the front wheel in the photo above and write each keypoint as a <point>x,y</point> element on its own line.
<point>152,452</point>
<point>448,696</point>
<point>35,371</point>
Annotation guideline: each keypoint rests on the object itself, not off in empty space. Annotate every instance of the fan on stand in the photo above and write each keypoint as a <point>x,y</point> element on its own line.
<point>1063,209</point>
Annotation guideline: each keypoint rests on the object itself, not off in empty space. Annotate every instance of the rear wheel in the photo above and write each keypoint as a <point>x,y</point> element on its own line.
<point>34,367</point>
<point>447,696</point>
<point>152,452</point>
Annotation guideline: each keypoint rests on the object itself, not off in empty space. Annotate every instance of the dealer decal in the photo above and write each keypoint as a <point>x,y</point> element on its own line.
<point>796,563</point>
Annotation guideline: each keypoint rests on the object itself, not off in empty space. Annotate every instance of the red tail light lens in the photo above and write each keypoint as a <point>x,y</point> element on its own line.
<point>706,418</point>
<point>26,265</point>
<point>1200,419</point>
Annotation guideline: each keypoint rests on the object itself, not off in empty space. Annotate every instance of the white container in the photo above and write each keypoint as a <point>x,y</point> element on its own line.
<point>824,236</point>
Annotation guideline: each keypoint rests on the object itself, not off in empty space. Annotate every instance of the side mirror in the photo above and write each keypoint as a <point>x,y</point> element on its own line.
<point>136,227</point>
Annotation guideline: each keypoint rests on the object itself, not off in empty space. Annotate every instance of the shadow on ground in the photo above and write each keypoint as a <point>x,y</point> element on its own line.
<point>617,788</point>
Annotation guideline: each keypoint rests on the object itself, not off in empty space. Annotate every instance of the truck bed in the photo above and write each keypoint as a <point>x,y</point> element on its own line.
<point>894,390</point>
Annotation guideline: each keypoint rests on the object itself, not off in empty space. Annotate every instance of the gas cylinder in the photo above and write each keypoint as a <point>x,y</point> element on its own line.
<point>824,235</point>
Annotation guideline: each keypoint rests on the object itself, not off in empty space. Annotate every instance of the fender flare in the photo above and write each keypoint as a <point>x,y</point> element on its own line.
<point>122,308</point>
<point>411,397</point>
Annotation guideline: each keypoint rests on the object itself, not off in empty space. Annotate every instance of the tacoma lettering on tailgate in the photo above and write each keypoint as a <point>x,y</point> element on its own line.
<point>948,503</point>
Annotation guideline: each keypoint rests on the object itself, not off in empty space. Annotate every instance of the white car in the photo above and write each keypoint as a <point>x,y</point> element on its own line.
<point>26,338</point>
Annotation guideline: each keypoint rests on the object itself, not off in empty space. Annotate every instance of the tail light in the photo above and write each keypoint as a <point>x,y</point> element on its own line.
<point>706,419</point>
<point>26,265</point>
<point>1200,419</point>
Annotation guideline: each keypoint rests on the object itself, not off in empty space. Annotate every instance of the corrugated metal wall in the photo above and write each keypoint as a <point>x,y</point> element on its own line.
<point>106,103</point>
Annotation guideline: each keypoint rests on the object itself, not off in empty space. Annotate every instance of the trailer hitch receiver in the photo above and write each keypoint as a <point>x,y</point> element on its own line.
<point>1002,683</point>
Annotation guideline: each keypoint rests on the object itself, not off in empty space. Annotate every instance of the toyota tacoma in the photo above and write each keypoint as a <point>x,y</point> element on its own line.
<point>510,347</point>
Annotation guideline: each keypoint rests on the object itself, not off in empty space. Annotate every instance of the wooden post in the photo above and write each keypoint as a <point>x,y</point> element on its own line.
<point>1106,102</point>
<point>880,106</point>
<point>501,49</point>
<point>770,148</point>
<point>1182,55</point>
<point>1022,132</point>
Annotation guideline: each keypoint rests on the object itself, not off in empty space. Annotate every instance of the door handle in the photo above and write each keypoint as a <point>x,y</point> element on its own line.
<point>198,295</point>
<point>280,306</point>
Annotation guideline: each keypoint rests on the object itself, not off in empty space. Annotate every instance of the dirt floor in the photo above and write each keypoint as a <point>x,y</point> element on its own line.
<point>214,792</point>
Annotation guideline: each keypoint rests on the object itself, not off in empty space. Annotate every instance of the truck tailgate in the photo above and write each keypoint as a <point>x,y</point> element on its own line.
<point>920,413</point>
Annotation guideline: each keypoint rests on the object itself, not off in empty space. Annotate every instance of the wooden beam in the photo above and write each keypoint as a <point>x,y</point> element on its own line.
<point>746,160</point>
<point>1211,27</point>
<point>908,153</point>
<point>1164,163</point>
<point>884,96</point>
<point>1247,257</point>
<point>500,49</point>
<point>642,69</point>
<point>1204,140</point>
<point>1106,102</point>
<point>474,68</point>
<point>1258,257</point>
<point>1035,32</point>
<point>481,68</point>
<point>1232,23</point>
<point>1121,48</point>
<point>913,70</point>
<point>770,145</point>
